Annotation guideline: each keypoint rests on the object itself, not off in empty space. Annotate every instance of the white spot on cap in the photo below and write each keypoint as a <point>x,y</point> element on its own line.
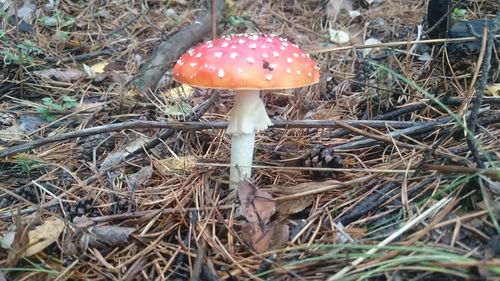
<point>288,70</point>
<point>263,46</point>
<point>307,55</point>
<point>220,74</point>
<point>295,46</point>
<point>298,72</point>
<point>276,54</point>
<point>240,70</point>
<point>193,64</point>
<point>316,67</point>
<point>177,74</point>
<point>198,55</point>
<point>264,55</point>
<point>282,48</point>
<point>225,44</point>
<point>208,42</point>
<point>252,46</point>
<point>273,65</point>
<point>309,74</point>
<point>296,55</point>
<point>253,37</point>
<point>270,40</point>
<point>269,77</point>
<point>218,54</point>
<point>191,51</point>
<point>210,46</point>
<point>233,55</point>
<point>284,44</point>
<point>250,60</point>
<point>241,41</point>
<point>180,62</point>
<point>289,60</point>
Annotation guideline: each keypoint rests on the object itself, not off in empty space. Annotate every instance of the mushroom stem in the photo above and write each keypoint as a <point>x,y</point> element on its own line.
<point>248,116</point>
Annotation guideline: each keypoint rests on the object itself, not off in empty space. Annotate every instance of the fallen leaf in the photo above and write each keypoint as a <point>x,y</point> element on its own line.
<point>289,207</point>
<point>272,237</point>
<point>44,235</point>
<point>109,235</point>
<point>183,91</point>
<point>38,239</point>
<point>99,67</point>
<point>101,236</point>
<point>256,206</point>
<point>141,177</point>
<point>183,164</point>
<point>370,41</point>
<point>339,36</point>
<point>66,75</point>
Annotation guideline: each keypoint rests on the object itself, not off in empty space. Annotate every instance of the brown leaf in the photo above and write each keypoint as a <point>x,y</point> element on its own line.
<point>289,207</point>
<point>256,206</point>
<point>37,240</point>
<point>261,240</point>
<point>110,235</point>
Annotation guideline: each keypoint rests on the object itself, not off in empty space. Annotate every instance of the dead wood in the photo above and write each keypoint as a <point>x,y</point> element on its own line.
<point>167,52</point>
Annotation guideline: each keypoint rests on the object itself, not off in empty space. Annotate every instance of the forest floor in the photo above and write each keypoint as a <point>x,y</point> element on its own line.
<point>387,169</point>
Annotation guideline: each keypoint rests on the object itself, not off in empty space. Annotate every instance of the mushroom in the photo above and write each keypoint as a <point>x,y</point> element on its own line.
<point>246,64</point>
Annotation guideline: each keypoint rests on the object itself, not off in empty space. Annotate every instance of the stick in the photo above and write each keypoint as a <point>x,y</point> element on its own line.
<point>197,126</point>
<point>168,51</point>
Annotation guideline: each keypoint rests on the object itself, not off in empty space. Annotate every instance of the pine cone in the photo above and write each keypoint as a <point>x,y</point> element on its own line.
<point>321,157</point>
<point>103,142</point>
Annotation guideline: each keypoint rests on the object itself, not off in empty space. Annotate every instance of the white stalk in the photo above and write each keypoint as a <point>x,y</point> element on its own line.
<point>248,116</point>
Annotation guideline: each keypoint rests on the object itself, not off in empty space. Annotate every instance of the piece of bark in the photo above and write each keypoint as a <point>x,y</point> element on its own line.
<point>169,51</point>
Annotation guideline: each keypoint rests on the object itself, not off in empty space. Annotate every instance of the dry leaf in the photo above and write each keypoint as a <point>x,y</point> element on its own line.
<point>289,207</point>
<point>66,75</point>
<point>141,177</point>
<point>256,206</point>
<point>44,235</point>
<point>370,41</point>
<point>183,164</point>
<point>273,236</point>
<point>101,236</point>
<point>37,239</point>
<point>99,67</point>
<point>111,235</point>
<point>339,36</point>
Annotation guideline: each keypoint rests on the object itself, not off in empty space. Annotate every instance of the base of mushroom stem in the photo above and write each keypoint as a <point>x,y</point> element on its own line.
<point>242,146</point>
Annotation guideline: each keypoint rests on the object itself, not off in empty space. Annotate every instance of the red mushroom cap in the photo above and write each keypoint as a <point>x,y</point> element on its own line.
<point>246,62</point>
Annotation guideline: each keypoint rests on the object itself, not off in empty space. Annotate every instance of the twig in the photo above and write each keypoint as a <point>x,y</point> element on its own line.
<point>213,19</point>
<point>168,51</point>
<point>198,262</point>
<point>87,56</point>
<point>454,169</point>
<point>489,31</point>
<point>425,127</point>
<point>398,43</point>
<point>196,126</point>
<point>20,53</point>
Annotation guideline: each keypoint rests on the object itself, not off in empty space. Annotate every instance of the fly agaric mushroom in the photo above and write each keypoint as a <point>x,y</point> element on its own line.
<point>246,64</point>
